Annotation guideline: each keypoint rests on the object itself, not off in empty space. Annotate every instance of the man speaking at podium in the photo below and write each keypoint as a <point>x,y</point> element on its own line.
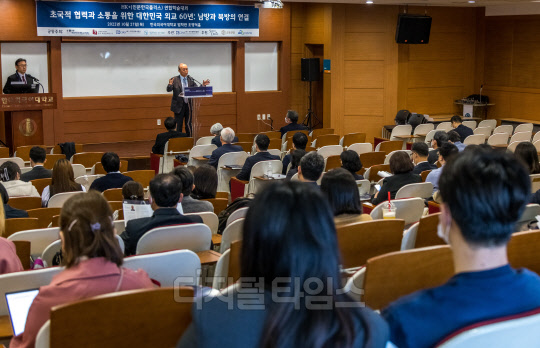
<point>180,105</point>
<point>20,82</point>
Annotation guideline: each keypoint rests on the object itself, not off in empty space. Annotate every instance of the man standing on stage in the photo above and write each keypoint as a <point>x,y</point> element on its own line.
<point>19,76</point>
<point>180,105</point>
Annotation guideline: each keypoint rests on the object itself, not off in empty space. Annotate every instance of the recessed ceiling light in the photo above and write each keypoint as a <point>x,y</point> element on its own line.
<point>369,2</point>
<point>471,1</point>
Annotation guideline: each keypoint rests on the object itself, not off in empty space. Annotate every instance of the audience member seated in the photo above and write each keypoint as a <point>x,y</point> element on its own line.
<point>299,142</point>
<point>133,191</point>
<point>10,173</point>
<point>204,182</point>
<point>226,138</point>
<point>93,261</point>
<point>9,211</point>
<point>63,180</point>
<point>351,162</point>
<point>296,156</point>
<point>270,269</point>
<point>339,187</point>
<point>311,168</point>
<point>439,138</point>
<point>113,178</point>
<point>402,170</point>
<point>165,194</point>
<point>484,193</point>
<point>216,131</point>
<point>292,123</point>
<point>190,204</point>
<point>454,138</point>
<point>9,261</point>
<point>419,156</point>
<point>162,138</point>
<point>261,144</point>
<point>462,130</point>
<point>38,157</point>
<point>446,151</point>
<point>526,152</point>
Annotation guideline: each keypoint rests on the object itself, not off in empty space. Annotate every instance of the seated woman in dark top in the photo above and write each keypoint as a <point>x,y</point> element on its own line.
<point>205,181</point>
<point>296,156</point>
<point>401,166</point>
<point>133,191</point>
<point>281,259</point>
<point>9,211</point>
<point>351,161</point>
<point>527,153</point>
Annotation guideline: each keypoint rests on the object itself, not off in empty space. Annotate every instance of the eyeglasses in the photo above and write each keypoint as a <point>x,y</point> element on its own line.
<point>22,65</point>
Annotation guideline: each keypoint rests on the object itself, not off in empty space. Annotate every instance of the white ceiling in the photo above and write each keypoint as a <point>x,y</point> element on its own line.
<point>478,3</point>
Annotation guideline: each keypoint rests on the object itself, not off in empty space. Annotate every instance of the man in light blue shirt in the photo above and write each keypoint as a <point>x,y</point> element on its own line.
<point>446,151</point>
<point>455,139</point>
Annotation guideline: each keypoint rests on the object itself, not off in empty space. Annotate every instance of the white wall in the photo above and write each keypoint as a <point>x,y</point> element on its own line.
<point>261,66</point>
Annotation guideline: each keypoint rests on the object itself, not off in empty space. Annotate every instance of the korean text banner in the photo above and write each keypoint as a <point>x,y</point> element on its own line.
<point>94,19</point>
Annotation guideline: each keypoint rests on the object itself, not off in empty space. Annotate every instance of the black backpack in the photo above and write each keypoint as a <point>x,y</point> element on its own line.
<point>238,203</point>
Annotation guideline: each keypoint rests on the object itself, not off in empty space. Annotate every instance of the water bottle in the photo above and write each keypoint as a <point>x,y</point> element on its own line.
<point>269,170</point>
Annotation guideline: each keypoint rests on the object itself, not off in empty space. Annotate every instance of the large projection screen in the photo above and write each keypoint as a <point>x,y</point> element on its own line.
<point>109,69</point>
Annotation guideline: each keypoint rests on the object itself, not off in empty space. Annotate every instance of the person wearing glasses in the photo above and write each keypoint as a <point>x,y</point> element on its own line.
<point>20,76</point>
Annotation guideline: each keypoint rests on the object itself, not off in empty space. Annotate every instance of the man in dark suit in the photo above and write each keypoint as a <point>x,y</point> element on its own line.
<point>419,156</point>
<point>227,136</point>
<point>299,142</point>
<point>19,76</point>
<point>180,105</point>
<point>113,179</point>
<point>38,156</point>
<point>162,138</point>
<point>165,194</point>
<point>311,168</point>
<point>292,120</point>
<point>439,138</point>
<point>261,142</point>
<point>462,130</point>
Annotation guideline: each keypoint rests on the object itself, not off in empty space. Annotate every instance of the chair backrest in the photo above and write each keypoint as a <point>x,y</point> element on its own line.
<point>326,140</point>
<point>513,145</point>
<point>537,144</point>
<point>444,126</point>
<point>260,168</point>
<point>160,317</point>
<point>486,131</point>
<point>52,159</point>
<point>273,134</point>
<point>78,170</point>
<point>423,233</point>
<point>470,124</point>
<point>18,160</point>
<point>98,168</point>
<point>275,143</point>
<point>491,123</point>
<point>20,224</point>
<point>369,159</point>
<point>87,159</point>
<point>194,237</point>
<point>523,250</point>
<point>4,152</point>
<point>475,139</point>
<point>528,215</point>
<point>422,129</point>
<point>371,172</point>
<point>245,146</point>
<point>535,182</point>
<point>40,184</point>
<point>114,194</point>
<point>221,272</point>
<point>39,238</point>
<point>25,203</point>
<point>205,140</point>
<point>389,146</point>
<point>141,176</point>
<point>429,137</point>
<point>237,214</point>
<point>233,158</point>
<point>22,249</point>
<point>353,138</point>
<point>209,219</point>
<point>232,232</point>
<point>202,150</point>
<point>86,180</point>
<point>181,266</point>
<point>524,127</point>
<point>424,175</point>
<point>422,190</point>
<point>361,148</point>
<point>536,137</point>
<point>58,150</point>
<point>521,136</point>
<point>58,200</point>
<point>54,247</point>
<point>401,130</point>
<point>362,240</point>
<point>408,209</point>
<point>332,162</point>
<point>219,204</point>
<point>387,158</point>
<point>508,129</point>
<point>44,215</point>
<point>24,151</point>
<point>391,276</point>
<point>183,144</point>
<point>496,139</point>
<point>330,150</point>
<point>321,131</point>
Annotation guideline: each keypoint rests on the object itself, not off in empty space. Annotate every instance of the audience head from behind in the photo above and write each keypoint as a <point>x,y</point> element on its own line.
<point>37,156</point>
<point>300,141</point>
<point>339,187</point>
<point>262,142</point>
<point>350,161</point>
<point>527,153</point>
<point>419,152</point>
<point>205,182</point>
<point>454,137</point>
<point>400,163</point>
<point>296,157</point>
<point>439,138</point>
<point>133,191</point>
<point>456,121</point>
<point>186,176</point>
<point>216,129</point>
<point>110,162</point>
<point>446,152</point>
<point>165,191</point>
<point>311,167</point>
<point>63,178</point>
<point>227,135</point>
<point>170,123</point>
<point>86,230</point>
<point>291,117</point>
<point>10,171</point>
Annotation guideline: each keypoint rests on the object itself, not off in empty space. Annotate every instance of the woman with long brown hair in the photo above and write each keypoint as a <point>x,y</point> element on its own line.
<point>63,180</point>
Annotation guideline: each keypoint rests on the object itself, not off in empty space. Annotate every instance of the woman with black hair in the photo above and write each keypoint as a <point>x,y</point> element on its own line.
<point>526,152</point>
<point>351,161</point>
<point>290,275</point>
<point>296,156</point>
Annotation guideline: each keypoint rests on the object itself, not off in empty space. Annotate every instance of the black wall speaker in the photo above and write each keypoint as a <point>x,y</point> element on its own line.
<point>311,69</point>
<point>413,29</point>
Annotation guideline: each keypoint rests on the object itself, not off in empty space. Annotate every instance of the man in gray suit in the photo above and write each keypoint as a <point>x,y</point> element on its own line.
<point>180,105</point>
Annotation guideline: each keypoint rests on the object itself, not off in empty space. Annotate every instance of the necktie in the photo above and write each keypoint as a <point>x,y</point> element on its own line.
<point>24,79</point>
<point>184,84</point>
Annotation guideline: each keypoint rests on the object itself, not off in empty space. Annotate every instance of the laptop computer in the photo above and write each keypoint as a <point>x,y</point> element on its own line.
<point>18,303</point>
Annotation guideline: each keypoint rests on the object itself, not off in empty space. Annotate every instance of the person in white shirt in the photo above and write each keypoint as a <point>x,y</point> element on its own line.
<point>10,173</point>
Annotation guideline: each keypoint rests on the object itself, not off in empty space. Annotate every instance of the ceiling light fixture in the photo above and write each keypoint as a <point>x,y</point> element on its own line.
<point>472,1</point>
<point>369,2</point>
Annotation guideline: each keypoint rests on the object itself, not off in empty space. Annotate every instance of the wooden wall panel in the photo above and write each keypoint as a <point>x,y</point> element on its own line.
<point>436,73</point>
<point>365,46</point>
<point>368,102</point>
<point>433,101</point>
<point>364,74</point>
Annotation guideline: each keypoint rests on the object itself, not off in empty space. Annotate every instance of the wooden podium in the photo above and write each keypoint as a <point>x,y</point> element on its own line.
<point>23,117</point>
